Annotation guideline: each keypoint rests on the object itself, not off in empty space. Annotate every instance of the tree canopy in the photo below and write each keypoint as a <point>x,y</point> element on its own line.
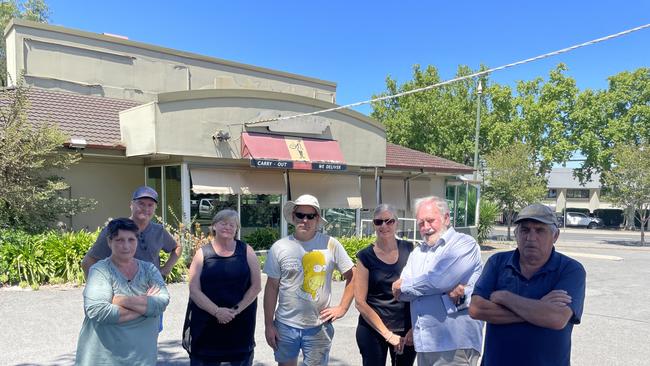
<point>441,121</point>
<point>512,180</point>
<point>552,116</point>
<point>629,181</point>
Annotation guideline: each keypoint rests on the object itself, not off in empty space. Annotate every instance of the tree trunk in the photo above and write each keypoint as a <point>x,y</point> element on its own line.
<point>509,222</point>
<point>643,220</point>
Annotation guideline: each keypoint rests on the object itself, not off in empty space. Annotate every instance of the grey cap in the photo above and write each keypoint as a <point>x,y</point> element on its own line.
<point>537,212</point>
<point>145,192</point>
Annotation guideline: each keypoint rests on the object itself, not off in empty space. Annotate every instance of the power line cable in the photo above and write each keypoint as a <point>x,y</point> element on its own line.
<point>476,74</point>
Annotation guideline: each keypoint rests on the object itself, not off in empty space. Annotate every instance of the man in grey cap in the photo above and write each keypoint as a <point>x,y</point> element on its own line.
<point>530,297</point>
<point>151,240</point>
<point>299,269</point>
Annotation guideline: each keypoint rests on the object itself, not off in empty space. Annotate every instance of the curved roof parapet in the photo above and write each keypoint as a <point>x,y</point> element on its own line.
<point>187,95</point>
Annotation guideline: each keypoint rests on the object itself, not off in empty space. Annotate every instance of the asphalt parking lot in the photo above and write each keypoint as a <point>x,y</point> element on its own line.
<point>41,327</point>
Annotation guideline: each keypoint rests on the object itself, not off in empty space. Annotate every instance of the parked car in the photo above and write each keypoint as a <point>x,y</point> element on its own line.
<point>577,219</point>
<point>203,207</point>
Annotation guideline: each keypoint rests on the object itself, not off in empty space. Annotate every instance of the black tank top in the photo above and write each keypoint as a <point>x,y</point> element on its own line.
<point>224,280</point>
<point>395,314</point>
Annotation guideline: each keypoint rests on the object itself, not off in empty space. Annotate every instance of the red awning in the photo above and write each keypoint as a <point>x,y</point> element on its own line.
<point>274,151</point>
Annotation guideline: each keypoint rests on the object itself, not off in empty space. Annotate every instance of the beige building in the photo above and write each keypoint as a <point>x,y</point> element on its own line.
<point>566,191</point>
<point>204,133</point>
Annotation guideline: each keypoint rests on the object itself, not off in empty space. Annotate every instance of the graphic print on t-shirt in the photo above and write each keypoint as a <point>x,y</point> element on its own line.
<point>314,271</point>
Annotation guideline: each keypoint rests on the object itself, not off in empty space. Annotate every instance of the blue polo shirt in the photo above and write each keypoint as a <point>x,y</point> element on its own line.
<point>525,343</point>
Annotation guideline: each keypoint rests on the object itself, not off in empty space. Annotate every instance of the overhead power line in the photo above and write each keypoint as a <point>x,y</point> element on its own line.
<point>476,74</point>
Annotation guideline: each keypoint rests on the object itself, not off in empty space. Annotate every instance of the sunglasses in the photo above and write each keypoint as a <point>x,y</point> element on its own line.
<point>379,222</point>
<point>300,215</point>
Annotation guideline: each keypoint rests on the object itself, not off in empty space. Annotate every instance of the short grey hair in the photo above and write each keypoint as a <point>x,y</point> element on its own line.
<point>223,215</point>
<point>385,207</point>
<point>440,203</point>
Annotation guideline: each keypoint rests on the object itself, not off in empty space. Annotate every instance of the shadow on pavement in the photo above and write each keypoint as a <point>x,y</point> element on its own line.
<point>67,359</point>
<point>486,247</point>
<point>168,356</point>
<point>625,243</point>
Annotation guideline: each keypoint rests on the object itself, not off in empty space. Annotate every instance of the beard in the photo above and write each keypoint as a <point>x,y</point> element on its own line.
<point>431,237</point>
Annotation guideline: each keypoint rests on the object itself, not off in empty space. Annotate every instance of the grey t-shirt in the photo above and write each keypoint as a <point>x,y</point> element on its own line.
<point>151,241</point>
<point>305,273</point>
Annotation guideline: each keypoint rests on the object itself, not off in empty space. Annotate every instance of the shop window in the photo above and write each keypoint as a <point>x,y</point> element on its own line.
<point>577,193</point>
<point>552,193</point>
<point>173,199</point>
<point>166,180</point>
<point>260,212</point>
<point>340,221</point>
<point>154,180</point>
<point>461,198</point>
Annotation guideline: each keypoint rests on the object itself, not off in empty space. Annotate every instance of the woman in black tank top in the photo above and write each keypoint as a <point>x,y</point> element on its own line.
<point>225,280</point>
<point>384,323</point>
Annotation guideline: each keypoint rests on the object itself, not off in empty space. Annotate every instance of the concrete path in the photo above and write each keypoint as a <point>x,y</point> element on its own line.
<point>41,327</point>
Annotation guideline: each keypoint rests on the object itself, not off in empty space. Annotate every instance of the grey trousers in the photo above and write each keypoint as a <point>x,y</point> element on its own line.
<point>459,357</point>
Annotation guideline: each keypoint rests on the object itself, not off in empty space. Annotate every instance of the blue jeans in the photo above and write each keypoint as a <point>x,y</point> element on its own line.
<point>315,343</point>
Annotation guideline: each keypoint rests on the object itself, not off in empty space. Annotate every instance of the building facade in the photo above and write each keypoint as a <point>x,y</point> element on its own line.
<point>205,133</point>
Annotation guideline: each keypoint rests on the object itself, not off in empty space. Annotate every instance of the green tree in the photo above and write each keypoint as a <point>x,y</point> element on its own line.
<point>542,117</point>
<point>441,121</point>
<point>603,120</point>
<point>512,180</point>
<point>629,181</point>
<point>32,197</point>
<point>34,10</point>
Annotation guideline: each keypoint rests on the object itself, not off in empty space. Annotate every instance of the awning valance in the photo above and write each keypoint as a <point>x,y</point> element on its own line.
<point>332,190</point>
<point>226,181</point>
<point>274,151</point>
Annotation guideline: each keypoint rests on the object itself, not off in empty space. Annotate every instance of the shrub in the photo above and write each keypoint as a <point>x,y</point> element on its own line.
<point>52,257</point>
<point>178,272</point>
<point>37,259</point>
<point>489,212</point>
<point>353,244</point>
<point>262,238</point>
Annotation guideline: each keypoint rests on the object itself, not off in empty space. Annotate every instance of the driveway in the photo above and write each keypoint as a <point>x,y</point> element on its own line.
<point>41,327</point>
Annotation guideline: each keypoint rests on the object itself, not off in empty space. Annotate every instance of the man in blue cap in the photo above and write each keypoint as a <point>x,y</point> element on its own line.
<point>530,297</point>
<point>152,237</point>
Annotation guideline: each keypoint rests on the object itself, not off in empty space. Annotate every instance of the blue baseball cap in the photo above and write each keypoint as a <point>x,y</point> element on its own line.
<point>145,192</point>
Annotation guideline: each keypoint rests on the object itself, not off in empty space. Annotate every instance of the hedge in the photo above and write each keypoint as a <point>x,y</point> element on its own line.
<point>52,257</point>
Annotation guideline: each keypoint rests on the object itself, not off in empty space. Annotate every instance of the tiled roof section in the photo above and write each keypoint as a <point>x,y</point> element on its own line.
<point>95,119</point>
<point>402,157</point>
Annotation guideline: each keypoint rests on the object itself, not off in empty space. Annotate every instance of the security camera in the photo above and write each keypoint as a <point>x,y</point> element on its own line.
<point>221,135</point>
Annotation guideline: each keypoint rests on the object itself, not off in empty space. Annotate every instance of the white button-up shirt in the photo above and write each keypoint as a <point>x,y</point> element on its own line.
<point>430,273</point>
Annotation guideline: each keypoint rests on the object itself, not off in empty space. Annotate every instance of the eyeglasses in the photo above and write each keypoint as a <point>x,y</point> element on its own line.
<point>379,222</point>
<point>300,215</point>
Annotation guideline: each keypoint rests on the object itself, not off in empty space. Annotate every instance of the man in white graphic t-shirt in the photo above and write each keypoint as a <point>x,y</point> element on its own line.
<point>299,269</point>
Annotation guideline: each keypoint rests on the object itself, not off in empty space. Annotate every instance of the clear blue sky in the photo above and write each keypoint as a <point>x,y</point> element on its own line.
<point>358,43</point>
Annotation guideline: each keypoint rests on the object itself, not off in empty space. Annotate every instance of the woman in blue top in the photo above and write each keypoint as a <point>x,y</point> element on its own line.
<point>225,280</point>
<point>384,323</point>
<point>123,301</point>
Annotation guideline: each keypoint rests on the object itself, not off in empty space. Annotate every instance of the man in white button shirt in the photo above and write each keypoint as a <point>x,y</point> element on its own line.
<point>432,280</point>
